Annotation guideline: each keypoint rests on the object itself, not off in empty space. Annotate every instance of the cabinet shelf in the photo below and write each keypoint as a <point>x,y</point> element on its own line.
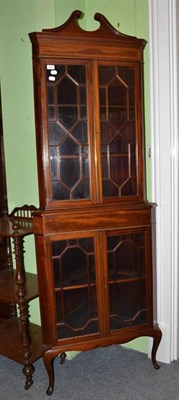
<point>126,279</point>
<point>75,287</point>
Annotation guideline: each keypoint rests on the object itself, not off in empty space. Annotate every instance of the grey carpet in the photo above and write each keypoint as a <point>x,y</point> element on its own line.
<point>113,373</point>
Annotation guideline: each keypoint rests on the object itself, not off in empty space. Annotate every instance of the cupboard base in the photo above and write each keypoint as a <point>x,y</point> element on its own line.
<point>50,353</point>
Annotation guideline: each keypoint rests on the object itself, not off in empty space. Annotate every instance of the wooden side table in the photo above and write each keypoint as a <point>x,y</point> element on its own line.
<point>20,340</point>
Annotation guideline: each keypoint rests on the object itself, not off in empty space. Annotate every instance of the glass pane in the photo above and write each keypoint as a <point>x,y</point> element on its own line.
<point>103,113</point>
<point>85,166</point>
<point>106,74</point>
<point>58,247</point>
<point>68,131</point>
<point>51,95</point>
<point>102,95</point>
<point>78,73</point>
<point>105,167</point>
<point>117,94</point>
<point>59,192</point>
<point>109,188</point>
<point>80,132</point>
<point>126,74</point>
<point>83,95</point>
<point>127,279</point>
<point>127,304</point>
<point>54,162</point>
<point>117,117</point>
<point>83,113</point>
<point>79,317</point>
<point>126,251</point>
<point>67,91</point>
<point>119,170</point>
<point>70,171</point>
<point>51,113</point>
<point>107,132</point>
<point>118,130</point>
<point>84,150</point>
<point>104,149</point>
<point>81,191</point>
<point>118,146</point>
<point>56,133</point>
<point>75,287</point>
<point>128,132</point>
<point>69,147</point>
<point>67,116</point>
<point>131,97</point>
<point>129,187</point>
<point>54,71</point>
<point>75,260</point>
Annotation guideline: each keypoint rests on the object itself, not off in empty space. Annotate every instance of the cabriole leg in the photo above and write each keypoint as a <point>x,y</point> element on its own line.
<point>156,341</point>
<point>48,357</point>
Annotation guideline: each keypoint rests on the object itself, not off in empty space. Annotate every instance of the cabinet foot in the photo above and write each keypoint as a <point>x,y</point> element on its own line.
<point>156,341</point>
<point>48,358</point>
<point>63,357</point>
<point>28,372</point>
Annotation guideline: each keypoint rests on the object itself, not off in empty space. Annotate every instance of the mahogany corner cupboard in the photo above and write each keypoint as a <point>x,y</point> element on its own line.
<point>94,227</point>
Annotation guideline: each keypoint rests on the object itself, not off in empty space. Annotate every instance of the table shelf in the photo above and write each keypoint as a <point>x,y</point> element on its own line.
<point>10,344</point>
<point>8,288</point>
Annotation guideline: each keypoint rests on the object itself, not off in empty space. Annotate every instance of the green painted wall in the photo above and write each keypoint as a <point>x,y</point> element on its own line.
<point>17,19</point>
<point>64,8</point>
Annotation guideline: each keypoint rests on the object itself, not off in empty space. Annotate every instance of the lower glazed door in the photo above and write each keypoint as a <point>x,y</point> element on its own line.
<point>77,289</point>
<point>128,278</point>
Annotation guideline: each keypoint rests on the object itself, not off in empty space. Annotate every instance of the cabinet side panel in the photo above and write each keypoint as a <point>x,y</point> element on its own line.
<point>45,292</point>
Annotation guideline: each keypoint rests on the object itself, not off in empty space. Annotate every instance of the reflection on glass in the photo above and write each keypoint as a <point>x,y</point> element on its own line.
<point>53,161</point>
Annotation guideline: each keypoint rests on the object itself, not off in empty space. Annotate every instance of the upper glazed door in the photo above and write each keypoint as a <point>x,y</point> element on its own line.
<point>70,147</point>
<point>119,124</point>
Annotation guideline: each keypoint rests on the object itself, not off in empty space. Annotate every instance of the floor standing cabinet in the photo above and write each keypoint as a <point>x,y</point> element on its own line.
<point>93,230</point>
